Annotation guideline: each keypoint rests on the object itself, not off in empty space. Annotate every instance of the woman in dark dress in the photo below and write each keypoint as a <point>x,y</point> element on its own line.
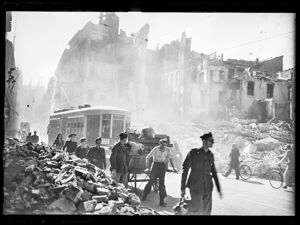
<point>59,142</point>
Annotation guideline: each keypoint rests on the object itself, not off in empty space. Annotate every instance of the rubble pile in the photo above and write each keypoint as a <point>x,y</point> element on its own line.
<point>42,180</point>
<point>260,143</point>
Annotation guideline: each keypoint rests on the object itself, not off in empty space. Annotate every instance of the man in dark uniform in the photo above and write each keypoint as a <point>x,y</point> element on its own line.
<point>82,150</point>
<point>71,145</point>
<point>201,163</point>
<point>119,160</point>
<point>161,156</point>
<point>234,162</point>
<point>96,155</point>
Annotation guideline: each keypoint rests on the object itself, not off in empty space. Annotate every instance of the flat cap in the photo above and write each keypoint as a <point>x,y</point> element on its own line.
<point>123,135</point>
<point>206,136</point>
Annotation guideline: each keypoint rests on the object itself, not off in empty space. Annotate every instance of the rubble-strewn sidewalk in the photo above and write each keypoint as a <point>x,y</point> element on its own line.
<point>42,180</point>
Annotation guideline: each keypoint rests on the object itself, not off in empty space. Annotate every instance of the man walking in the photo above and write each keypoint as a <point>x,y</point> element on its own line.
<point>96,155</point>
<point>201,163</point>
<point>234,162</point>
<point>70,145</point>
<point>119,160</point>
<point>161,155</point>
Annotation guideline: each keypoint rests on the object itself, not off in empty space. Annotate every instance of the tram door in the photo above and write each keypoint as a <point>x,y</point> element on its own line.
<point>92,130</point>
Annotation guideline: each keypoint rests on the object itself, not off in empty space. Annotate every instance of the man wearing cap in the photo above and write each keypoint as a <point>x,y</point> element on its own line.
<point>119,160</point>
<point>161,155</point>
<point>82,149</point>
<point>201,163</point>
<point>71,145</point>
<point>96,155</point>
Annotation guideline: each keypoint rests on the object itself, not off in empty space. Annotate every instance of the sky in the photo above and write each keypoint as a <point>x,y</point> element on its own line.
<point>41,37</point>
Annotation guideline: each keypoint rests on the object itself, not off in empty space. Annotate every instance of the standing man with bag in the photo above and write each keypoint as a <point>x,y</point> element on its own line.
<point>119,160</point>
<point>161,155</point>
<point>201,163</point>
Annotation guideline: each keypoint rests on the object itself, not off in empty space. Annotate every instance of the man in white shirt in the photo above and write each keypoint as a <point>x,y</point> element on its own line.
<point>161,155</point>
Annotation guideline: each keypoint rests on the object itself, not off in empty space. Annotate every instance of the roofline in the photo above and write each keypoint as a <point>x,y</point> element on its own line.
<point>91,108</point>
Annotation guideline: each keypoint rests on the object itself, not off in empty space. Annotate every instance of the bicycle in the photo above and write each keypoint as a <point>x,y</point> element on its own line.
<point>276,177</point>
<point>245,171</point>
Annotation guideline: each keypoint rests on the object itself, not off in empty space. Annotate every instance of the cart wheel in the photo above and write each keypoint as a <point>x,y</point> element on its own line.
<point>155,186</point>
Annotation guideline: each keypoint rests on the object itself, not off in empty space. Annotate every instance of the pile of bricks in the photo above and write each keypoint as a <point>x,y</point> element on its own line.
<point>39,179</point>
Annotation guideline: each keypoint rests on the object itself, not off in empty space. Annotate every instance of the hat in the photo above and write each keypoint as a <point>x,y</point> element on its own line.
<point>98,139</point>
<point>71,135</point>
<point>123,135</point>
<point>82,139</point>
<point>164,140</point>
<point>206,136</point>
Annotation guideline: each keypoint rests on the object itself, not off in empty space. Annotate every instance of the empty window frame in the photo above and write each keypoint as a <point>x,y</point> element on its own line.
<point>230,73</point>
<point>270,90</point>
<point>250,88</point>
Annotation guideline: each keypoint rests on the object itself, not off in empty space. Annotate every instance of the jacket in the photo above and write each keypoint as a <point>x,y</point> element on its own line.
<point>97,157</point>
<point>203,170</point>
<point>81,152</point>
<point>234,157</point>
<point>71,146</point>
<point>119,158</point>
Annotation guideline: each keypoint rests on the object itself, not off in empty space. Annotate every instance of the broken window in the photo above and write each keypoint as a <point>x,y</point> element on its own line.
<point>211,75</point>
<point>230,73</point>
<point>270,90</point>
<point>221,74</point>
<point>250,88</point>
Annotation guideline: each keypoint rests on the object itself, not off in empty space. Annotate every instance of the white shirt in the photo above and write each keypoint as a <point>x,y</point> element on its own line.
<point>159,155</point>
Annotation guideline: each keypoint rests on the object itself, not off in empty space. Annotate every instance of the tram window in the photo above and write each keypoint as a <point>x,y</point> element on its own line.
<point>118,127</point>
<point>105,132</point>
<point>106,116</point>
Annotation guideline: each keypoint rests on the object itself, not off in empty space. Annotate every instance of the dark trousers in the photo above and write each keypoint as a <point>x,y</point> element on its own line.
<point>236,167</point>
<point>200,204</point>
<point>158,171</point>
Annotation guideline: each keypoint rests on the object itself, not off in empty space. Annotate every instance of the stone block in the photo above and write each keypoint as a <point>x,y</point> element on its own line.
<point>100,198</point>
<point>64,205</point>
<point>89,206</point>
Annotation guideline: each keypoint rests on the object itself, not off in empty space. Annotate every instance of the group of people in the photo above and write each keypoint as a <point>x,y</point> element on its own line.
<point>34,139</point>
<point>199,164</point>
<point>96,154</point>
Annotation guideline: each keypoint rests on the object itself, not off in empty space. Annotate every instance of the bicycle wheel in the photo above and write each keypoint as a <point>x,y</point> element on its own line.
<point>275,179</point>
<point>245,172</point>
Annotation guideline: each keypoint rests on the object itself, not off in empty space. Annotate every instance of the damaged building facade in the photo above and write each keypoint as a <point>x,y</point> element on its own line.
<point>103,66</point>
<point>258,89</point>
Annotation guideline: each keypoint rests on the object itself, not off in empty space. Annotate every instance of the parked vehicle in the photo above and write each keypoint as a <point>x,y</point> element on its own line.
<point>91,122</point>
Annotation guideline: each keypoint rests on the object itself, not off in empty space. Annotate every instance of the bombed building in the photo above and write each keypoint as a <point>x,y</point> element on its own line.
<point>102,66</point>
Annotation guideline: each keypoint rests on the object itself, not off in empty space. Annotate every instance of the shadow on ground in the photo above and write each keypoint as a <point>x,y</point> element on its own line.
<point>247,181</point>
<point>153,201</point>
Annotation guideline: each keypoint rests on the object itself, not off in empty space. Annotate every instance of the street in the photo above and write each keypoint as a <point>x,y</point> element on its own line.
<point>252,197</point>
